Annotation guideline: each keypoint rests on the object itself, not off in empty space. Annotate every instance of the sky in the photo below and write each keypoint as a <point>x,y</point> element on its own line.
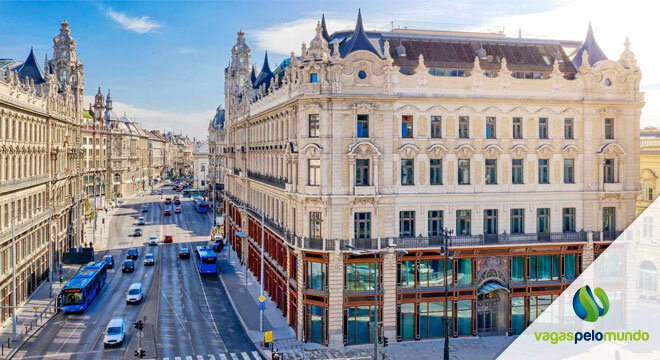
<point>163,61</point>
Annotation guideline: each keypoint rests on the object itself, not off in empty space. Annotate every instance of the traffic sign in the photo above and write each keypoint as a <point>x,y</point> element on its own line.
<point>268,337</point>
<point>140,334</point>
<point>35,308</point>
<point>213,230</point>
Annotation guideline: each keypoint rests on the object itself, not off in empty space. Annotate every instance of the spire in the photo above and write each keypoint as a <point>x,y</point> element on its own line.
<point>325,29</point>
<point>591,47</point>
<point>358,41</point>
<point>265,75</point>
<point>31,69</point>
<point>108,101</point>
<point>253,76</point>
<point>98,98</point>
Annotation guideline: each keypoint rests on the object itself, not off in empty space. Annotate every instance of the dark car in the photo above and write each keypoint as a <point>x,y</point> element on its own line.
<point>184,253</point>
<point>168,201</point>
<point>127,266</point>
<point>177,202</point>
<point>168,239</point>
<point>137,232</point>
<point>110,261</point>
<point>132,254</point>
<point>218,245</point>
<point>167,213</point>
<point>149,259</point>
<point>145,208</point>
<point>177,210</point>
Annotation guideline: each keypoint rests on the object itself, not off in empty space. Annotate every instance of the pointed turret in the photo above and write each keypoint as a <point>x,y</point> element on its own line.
<point>265,75</point>
<point>325,29</point>
<point>108,101</point>
<point>253,76</point>
<point>31,70</point>
<point>358,41</point>
<point>98,99</point>
<point>591,47</point>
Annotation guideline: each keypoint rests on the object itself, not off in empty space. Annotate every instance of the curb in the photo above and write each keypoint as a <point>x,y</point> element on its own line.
<point>17,348</point>
<point>240,318</point>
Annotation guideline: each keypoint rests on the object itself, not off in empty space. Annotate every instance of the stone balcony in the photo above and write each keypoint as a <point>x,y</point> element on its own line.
<point>22,183</point>
<point>266,179</point>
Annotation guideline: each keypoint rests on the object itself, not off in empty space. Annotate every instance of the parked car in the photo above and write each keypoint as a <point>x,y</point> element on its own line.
<point>114,333</point>
<point>132,254</point>
<point>168,239</point>
<point>141,220</point>
<point>149,260</point>
<point>127,266</point>
<point>168,200</point>
<point>177,210</point>
<point>218,245</point>
<point>184,253</point>
<point>167,212</point>
<point>145,208</point>
<point>110,261</point>
<point>137,232</point>
<point>135,294</point>
<point>153,240</point>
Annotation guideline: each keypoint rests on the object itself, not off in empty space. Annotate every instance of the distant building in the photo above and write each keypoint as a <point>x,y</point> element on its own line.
<point>200,164</point>
<point>527,149</point>
<point>216,141</point>
<point>650,167</point>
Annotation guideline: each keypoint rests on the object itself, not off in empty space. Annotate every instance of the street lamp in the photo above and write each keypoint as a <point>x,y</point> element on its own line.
<point>13,268</point>
<point>446,243</point>
<point>375,253</point>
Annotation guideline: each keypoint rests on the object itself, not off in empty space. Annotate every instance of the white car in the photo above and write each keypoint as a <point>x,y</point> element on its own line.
<point>153,240</point>
<point>115,332</point>
<point>134,295</point>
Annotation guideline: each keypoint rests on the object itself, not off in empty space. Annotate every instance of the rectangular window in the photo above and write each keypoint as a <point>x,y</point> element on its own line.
<point>407,321</point>
<point>407,126</point>
<point>608,171</point>
<point>609,129</point>
<point>314,128</point>
<point>543,128</point>
<point>516,171</point>
<point>435,222</point>
<point>568,128</point>
<point>313,78</point>
<point>490,128</point>
<point>431,273</point>
<point>361,276</point>
<point>316,275</point>
<point>407,172</point>
<point>490,221</point>
<point>363,126</point>
<point>544,171</point>
<point>609,219</point>
<point>463,222</point>
<point>491,171</point>
<point>569,171</point>
<point>315,225</point>
<point>543,220</point>
<point>362,172</point>
<point>517,221</point>
<point>517,128</point>
<point>436,127</point>
<point>517,269</point>
<point>464,272</point>
<point>406,223</point>
<point>463,172</point>
<point>362,224</point>
<point>436,171</point>
<point>464,127</point>
<point>359,323</point>
<point>407,274</point>
<point>316,324</point>
<point>517,315</point>
<point>464,317</point>
<point>314,173</point>
<point>431,319</point>
<point>569,266</point>
<point>568,220</point>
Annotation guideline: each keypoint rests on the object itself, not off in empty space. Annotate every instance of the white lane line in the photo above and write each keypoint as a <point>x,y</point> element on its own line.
<point>188,357</point>
<point>222,357</point>
<point>211,357</point>
<point>166,358</point>
<point>256,355</point>
<point>233,356</point>
<point>177,358</point>
<point>200,357</point>
<point>245,356</point>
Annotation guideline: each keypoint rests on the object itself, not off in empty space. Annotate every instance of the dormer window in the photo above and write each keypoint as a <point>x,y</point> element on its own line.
<point>313,78</point>
<point>362,74</point>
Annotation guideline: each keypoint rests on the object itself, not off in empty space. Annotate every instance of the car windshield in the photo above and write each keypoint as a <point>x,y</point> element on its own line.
<point>108,258</point>
<point>134,291</point>
<point>114,330</point>
<point>184,250</point>
<point>72,298</point>
<point>128,263</point>
<point>132,251</point>
<point>208,260</point>
<point>150,257</point>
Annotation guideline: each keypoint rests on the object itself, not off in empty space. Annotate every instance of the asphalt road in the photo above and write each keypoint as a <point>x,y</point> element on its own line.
<point>187,316</point>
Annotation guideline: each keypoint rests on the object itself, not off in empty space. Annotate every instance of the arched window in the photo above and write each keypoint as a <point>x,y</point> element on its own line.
<point>648,278</point>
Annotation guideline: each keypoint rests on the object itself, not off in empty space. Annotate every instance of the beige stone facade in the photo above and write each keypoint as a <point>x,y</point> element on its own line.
<point>351,142</point>
<point>650,167</point>
<point>40,164</point>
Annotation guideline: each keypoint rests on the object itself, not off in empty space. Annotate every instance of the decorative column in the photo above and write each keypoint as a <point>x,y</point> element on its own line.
<point>375,176</point>
<point>335,298</point>
<point>351,174</point>
<point>300,313</point>
<point>388,287</point>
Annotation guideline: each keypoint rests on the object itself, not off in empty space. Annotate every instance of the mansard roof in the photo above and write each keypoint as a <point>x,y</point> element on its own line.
<point>31,70</point>
<point>357,41</point>
<point>592,48</point>
<point>265,75</point>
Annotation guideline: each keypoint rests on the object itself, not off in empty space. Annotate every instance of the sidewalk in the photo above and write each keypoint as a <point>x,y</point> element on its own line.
<point>29,320</point>
<point>245,302</point>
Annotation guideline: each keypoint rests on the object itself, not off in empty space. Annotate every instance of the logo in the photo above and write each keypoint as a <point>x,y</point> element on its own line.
<point>585,305</point>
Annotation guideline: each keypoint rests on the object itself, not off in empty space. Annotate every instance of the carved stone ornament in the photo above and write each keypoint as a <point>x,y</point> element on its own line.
<point>519,151</point>
<point>545,151</point>
<point>492,150</point>
<point>364,148</point>
<point>571,150</point>
<point>437,150</point>
<point>408,151</point>
<point>312,150</point>
<point>465,151</point>
<point>492,268</point>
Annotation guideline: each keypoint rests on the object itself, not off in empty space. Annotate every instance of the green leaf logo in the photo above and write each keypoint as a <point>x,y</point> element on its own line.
<point>585,305</point>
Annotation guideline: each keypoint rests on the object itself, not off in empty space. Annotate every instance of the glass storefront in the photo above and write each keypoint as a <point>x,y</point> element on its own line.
<point>464,317</point>
<point>359,321</point>
<point>569,266</point>
<point>407,274</point>
<point>316,324</point>
<point>464,275</point>
<point>517,315</point>
<point>431,315</point>
<point>407,321</point>
<point>361,276</point>
<point>316,275</point>
<point>517,269</point>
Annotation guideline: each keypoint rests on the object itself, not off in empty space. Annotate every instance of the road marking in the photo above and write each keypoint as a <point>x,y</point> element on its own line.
<point>256,355</point>
<point>200,357</point>
<point>188,357</point>
<point>166,358</point>
<point>177,358</point>
<point>233,356</point>
<point>245,356</point>
<point>223,357</point>
<point>211,357</point>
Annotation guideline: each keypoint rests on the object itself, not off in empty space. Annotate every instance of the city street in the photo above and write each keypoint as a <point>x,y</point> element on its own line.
<point>187,316</point>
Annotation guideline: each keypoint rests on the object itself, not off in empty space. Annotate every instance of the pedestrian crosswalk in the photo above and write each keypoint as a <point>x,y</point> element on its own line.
<point>221,356</point>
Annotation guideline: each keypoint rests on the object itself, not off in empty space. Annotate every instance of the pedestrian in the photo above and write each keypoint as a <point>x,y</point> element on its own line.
<point>61,280</point>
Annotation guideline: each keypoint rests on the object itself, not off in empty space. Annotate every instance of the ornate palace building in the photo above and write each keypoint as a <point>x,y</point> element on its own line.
<point>41,115</point>
<point>216,141</point>
<point>650,167</point>
<point>526,149</point>
<point>95,154</point>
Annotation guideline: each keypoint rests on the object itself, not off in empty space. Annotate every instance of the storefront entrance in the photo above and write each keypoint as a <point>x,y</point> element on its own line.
<point>492,309</point>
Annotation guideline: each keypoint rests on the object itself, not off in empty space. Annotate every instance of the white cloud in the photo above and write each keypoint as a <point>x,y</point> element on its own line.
<point>186,51</point>
<point>195,124</point>
<point>139,25</point>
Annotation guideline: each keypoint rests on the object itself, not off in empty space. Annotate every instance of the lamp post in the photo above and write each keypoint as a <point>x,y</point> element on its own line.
<point>446,242</point>
<point>13,268</point>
